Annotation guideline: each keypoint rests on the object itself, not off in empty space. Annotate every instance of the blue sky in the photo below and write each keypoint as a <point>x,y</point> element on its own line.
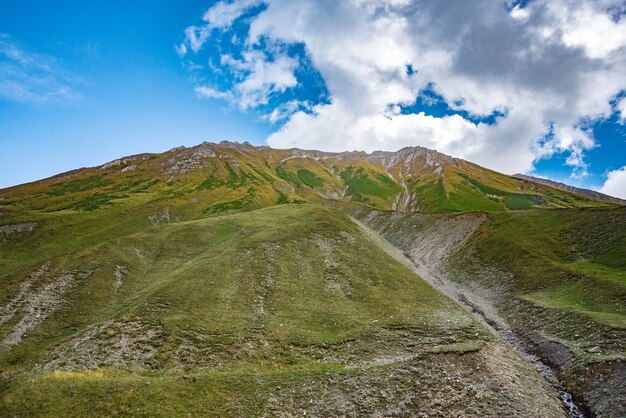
<point>135,94</point>
<point>82,83</point>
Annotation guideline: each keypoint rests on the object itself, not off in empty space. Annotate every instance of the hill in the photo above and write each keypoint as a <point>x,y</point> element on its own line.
<point>289,309</point>
<point>228,279</point>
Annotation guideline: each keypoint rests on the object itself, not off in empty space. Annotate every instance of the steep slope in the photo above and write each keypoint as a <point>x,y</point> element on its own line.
<point>601,197</point>
<point>286,310</point>
<point>555,279</point>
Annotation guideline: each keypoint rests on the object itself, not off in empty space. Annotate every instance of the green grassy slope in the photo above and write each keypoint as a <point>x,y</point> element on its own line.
<point>568,263</point>
<point>469,187</point>
<point>212,179</point>
<point>280,310</point>
<point>565,272</point>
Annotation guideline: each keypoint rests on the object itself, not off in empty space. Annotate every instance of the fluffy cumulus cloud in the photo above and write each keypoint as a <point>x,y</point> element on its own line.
<point>520,82</point>
<point>260,77</point>
<point>615,184</point>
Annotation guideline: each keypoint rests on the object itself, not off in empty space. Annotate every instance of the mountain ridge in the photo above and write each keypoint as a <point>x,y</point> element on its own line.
<point>592,194</point>
<point>412,179</point>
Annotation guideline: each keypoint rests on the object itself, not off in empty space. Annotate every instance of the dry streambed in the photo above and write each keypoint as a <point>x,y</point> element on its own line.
<point>427,250</point>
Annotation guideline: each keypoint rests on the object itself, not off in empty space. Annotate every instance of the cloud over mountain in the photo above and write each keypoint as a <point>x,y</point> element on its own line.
<point>521,82</point>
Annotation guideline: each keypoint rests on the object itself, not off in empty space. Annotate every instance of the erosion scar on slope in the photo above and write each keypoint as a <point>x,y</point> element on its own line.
<point>427,256</point>
<point>429,253</point>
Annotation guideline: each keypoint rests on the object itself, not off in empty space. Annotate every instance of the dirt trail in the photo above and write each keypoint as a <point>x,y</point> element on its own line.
<point>427,251</point>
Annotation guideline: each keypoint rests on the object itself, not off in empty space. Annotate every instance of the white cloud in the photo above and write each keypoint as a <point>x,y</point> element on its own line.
<point>224,13</point>
<point>27,77</point>
<point>206,92</point>
<point>181,50</point>
<point>195,37</point>
<point>285,110</point>
<point>519,13</point>
<point>587,25</point>
<point>258,77</point>
<point>373,131</point>
<point>621,108</point>
<point>546,67</point>
<point>615,184</point>
<point>219,16</point>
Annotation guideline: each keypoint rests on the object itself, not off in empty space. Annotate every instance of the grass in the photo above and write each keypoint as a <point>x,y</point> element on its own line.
<point>79,185</point>
<point>512,201</point>
<point>275,300</point>
<point>363,186</point>
<point>309,178</point>
<point>567,262</point>
<point>288,176</point>
<point>118,394</point>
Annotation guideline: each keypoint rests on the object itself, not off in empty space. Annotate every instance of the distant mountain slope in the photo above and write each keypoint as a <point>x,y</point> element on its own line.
<point>591,194</point>
<point>217,178</point>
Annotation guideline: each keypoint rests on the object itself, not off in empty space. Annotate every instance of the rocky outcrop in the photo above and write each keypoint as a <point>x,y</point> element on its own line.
<point>12,229</point>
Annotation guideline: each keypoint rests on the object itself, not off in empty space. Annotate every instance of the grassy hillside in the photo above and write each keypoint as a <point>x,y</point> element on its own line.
<point>213,179</point>
<point>287,309</point>
<point>231,274</point>
<point>566,291</point>
<point>559,259</point>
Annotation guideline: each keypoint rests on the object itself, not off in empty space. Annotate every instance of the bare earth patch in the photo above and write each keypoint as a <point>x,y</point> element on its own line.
<point>39,306</point>
<point>112,343</point>
<point>12,229</point>
<point>10,309</point>
<point>120,273</point>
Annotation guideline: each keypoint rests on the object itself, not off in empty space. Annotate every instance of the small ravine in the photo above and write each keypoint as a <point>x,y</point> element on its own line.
<point>548,373</point>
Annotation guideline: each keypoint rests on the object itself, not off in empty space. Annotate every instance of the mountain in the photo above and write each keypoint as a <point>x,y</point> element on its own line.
<point>233,280</point>
<point>217,178</point>
<point>591,194</point>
